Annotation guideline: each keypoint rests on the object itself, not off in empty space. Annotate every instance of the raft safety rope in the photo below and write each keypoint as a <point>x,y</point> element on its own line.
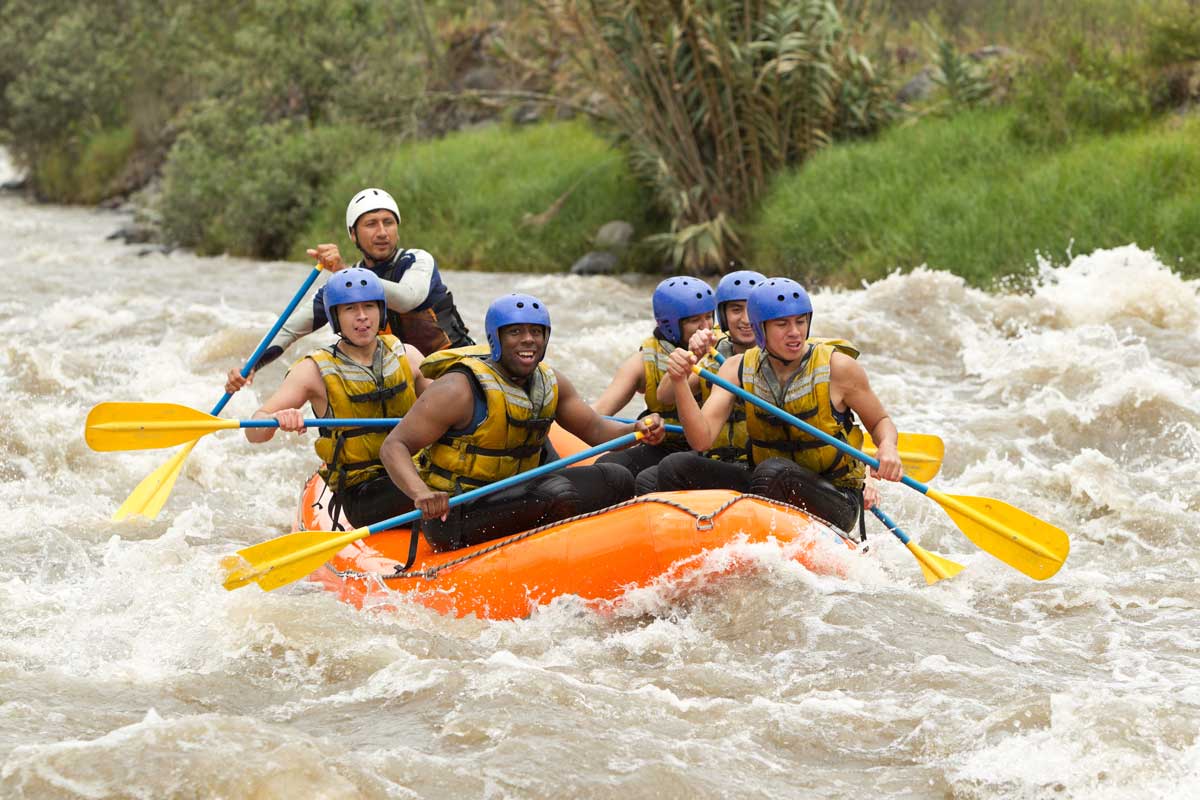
<point>704,522</point>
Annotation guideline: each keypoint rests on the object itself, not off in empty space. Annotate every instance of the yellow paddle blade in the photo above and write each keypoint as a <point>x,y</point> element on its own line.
<point>284,559</point>
<point>147,426</point>
<point>933,566</point>
<point>922,454</point>
<point>151,494</point>
<point>1017,538</point>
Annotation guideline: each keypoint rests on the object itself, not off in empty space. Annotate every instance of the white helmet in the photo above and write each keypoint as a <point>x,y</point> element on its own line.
<point>369,200</point>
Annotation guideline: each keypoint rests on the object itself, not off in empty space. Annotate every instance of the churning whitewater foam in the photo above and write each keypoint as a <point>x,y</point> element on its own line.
<point>128,671</point>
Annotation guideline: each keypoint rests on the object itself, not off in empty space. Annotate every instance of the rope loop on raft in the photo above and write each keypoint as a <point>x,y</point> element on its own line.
<point>704,522</point>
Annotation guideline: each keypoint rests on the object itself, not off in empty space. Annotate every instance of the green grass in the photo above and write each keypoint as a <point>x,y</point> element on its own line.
<point>964,195</point>
<point>64,175</point>
<point>463,198</point>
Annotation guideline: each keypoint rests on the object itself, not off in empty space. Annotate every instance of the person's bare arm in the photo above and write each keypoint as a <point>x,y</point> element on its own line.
<point>301,385</point>
<point>629,380</point>
<point>666,389</point>
<point>582,420</point>
<point>850,388</point>
<point>701,425</point>
<point>415,357</point>
<point>446,404</point>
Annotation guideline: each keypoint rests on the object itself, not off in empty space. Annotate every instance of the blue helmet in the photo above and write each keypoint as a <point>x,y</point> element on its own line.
<point>353,285</point>
<point>513,309</point>
<point>736,286</point>
<point>679,298</point>
<point>778,297</point>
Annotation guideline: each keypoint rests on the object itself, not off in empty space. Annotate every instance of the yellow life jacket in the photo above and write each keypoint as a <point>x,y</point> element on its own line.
<point>806,396</point>
<point>507,440</point>
<point>655,353</point>
<point>385,389</point>
<point>730,444</point>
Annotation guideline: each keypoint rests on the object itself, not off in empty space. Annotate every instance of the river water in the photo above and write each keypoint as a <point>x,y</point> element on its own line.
<point>127,671</point>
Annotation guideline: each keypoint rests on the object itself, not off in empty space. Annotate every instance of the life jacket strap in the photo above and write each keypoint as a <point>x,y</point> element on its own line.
<point>380,394</point>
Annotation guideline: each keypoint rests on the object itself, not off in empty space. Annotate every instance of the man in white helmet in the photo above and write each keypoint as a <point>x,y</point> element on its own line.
<point>421,310</point>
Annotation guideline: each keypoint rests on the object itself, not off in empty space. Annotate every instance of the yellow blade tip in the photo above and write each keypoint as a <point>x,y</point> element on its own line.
<point>238,572</point>
<point>933,566</point>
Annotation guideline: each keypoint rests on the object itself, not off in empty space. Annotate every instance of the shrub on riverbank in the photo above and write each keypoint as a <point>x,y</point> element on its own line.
<point>234,184</point>
<point>963,194</point>
<point>78,78</point>
<point>495,198</point>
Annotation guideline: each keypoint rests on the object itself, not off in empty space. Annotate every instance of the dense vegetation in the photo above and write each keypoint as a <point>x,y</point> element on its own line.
<point>529,218</point>
<point>724,131</point>
<point>965,195</point>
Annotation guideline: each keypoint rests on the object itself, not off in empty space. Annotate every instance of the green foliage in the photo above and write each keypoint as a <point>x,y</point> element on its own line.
<point>964,82</point>
<point>237,185</point>
<point>105,154</point>
<point>714,96</point>
<point>83,173</point>
<point>1076,91</point>
<point>70,68</point>
<point>66,87</point>
<point>1174,35</point>
<point>963,195</point>
<point>497,198</point>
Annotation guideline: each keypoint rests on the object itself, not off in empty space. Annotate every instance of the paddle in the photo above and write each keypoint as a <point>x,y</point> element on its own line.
<point>284,559</point>
<point>1017,538</point>
<point>147,426</point>
<point>933,566</point>
<point>921,452</point>
<point>152,493</point>
<point>922,457</point>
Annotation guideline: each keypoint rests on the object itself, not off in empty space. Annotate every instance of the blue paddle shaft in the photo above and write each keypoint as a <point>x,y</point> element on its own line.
<point>375,422</point>
<point>266,341</point>
<point>890,523</point>
<point>876,510</point>
<point>804,426</point>
<point>504,483</point>
<point>667,428</point>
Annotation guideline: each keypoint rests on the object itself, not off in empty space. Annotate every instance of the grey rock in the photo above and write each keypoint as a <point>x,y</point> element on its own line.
<point>918,88</point>
<point>615,236</point>
<point>482,79</point>
<point>595,263</point>
<point>992,51</point>
<point>135,233</point>
<point>527,114</point>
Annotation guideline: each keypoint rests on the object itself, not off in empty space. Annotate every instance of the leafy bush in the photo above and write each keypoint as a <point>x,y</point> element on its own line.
<point>964,82</point>
<point>962,194</point>
<point>1174,35</point>
<point>64,91</point>
<point>72,68</point>
<point>714,96</point>
<point>235,183</point>
<point>1076,91</point>
<point>496,198</point>
<point>83,173</point>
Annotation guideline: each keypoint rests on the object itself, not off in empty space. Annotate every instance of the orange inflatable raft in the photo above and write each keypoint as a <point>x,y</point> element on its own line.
<point>596,556</point>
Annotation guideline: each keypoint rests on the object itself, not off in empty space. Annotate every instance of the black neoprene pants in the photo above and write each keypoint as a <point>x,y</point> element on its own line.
<point>776,478</point>
<point>370,502</point>
<point>541,501</point>
<point>641,456</point>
